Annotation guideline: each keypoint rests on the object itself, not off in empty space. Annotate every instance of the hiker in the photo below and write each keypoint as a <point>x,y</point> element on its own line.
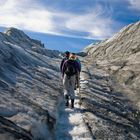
<point>66,57</point>
<point>69,71</point>
<point>77,83</point>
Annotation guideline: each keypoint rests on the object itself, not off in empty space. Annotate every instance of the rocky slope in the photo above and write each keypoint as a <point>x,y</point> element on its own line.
<point>109,114</point>
<point>30,87</point>
<point>110,79</point>
<point>120,55</point>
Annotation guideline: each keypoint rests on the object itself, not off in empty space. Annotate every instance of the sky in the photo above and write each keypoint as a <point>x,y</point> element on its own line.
<point>68,24</point>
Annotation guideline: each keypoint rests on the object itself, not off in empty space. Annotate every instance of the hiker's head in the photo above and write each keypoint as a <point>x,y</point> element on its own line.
<point>72,56</point>
<point>67,54</point>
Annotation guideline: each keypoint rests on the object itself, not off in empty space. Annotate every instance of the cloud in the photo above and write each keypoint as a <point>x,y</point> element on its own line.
<point>135,4</point>
<point>97,24</point>
<point>97,27</point>
<point>19,14</point>
<point>28,15</point>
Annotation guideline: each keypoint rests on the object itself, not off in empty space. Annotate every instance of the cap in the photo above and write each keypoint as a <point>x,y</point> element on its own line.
<point>67,52</point>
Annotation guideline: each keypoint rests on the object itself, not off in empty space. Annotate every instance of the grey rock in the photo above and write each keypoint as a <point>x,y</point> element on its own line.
<point>120,55</point>
<point>82,54</point>
<point>110,86</point>
<point>30,87</point>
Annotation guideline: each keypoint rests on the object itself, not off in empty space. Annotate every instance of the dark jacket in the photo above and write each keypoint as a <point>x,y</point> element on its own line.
<point>62,62</point>
<point>73,62</point>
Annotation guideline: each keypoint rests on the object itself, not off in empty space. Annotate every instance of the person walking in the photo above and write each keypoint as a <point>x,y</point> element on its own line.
<point>77,83</point>
<point>69,71</point>
<point>66,57</point>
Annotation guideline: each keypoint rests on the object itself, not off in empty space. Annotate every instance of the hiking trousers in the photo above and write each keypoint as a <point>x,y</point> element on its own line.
<point>69,85</point>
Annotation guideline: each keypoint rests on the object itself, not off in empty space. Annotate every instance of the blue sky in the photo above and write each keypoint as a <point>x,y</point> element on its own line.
<point>69,24</point>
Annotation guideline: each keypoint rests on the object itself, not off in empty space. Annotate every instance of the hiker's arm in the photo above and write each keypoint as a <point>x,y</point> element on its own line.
<point>63,69</point>
<point>61,65</point>
<point>78,66</point>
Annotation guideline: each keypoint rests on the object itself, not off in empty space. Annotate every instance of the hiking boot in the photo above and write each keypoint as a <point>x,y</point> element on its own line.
<point>77,86</point>
<point>72,103</point>
<point>67,104</point>
<point>67,100</point>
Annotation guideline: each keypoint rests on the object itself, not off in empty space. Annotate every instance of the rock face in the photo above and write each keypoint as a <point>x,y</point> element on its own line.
<point>110,92</point>
<point>109,114</point>
<point>120,55</point>
<point>30,87</point>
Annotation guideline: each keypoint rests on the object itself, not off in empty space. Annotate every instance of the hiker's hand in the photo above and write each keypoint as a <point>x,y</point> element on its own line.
<point>62,77</point>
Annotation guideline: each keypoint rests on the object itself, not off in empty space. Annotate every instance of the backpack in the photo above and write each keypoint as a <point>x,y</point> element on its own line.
<point>70,69</point>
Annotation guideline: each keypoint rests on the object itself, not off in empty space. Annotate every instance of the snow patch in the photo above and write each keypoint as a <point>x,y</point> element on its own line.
<point>70,124</point>
<point>84,82</point>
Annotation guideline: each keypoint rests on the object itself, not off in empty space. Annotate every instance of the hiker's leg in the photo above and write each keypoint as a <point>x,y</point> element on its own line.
<point>72,94</point>
<point>66,84</point>
<point>72,103</point>
<point>66,89</point>
<point>72,85</point>
<point>67,100</point>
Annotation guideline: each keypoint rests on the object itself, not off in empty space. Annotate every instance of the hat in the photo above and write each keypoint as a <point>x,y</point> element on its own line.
<point>67,52</point>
